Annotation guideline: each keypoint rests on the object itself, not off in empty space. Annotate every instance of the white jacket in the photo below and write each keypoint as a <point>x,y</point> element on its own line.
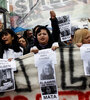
<point>10,53</point>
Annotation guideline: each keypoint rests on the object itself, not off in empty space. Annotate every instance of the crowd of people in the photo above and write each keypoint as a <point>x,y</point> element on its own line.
<point>13,45</point>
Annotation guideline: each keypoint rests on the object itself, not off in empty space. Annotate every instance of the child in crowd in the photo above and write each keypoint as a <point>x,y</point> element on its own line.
<point>11,47</point>
<point>43,40</point>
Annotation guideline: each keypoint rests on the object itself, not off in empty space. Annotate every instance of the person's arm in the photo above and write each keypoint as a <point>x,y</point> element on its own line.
<point>55,29</point>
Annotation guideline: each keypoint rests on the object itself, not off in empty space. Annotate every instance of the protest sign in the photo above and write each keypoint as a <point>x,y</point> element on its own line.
<point>64,27</point>
<point>45,62</point>
<point>7,82</point>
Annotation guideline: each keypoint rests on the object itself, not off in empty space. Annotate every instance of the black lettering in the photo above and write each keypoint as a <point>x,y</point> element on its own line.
<point>73,79</point>
<point>55,96</point>
<point>49,96</point>
<point>28,89</point>
<point>45,97</point>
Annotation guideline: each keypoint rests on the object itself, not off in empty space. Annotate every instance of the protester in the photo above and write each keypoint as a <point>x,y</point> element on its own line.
<point>24,44</point>
<point>56,31</point>
<point>10,44</point>
<point>54,24</point>
<point>86,40</point>
<point>29,36</point>
<point>79,36</point>
<point>35,29</point>
<point>43,40</point>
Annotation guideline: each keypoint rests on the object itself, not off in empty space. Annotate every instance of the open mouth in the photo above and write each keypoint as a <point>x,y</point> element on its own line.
<point>42,39</point>
<point>5,41</point>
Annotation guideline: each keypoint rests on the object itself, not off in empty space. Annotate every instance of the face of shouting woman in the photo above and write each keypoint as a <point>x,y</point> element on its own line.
<point>7,39</point>
<point>43,37</point>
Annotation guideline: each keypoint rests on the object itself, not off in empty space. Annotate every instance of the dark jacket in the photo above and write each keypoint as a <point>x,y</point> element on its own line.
<point>55,29</point>
<point>56,32</point>
<point>1,51</point>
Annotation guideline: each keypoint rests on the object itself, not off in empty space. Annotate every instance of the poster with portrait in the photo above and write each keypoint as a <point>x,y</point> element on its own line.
<point>6,79</point>
<point>7,82</point>
<point>46,70</point>
<point>45,61</point>
<point>64,27</point>
<point>47,80</point>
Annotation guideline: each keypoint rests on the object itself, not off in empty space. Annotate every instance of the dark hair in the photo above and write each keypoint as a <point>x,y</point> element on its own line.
<point>34,29</point>
<point>25,33</point>
<point>15,45</point>
<point>50,42</point>
<point>24,38</point>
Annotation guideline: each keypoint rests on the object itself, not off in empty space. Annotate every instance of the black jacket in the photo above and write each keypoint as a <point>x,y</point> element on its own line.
<point>1,51</point>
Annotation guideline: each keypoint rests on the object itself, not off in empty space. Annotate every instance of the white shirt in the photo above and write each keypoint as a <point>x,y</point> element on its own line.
<point>10,53</point>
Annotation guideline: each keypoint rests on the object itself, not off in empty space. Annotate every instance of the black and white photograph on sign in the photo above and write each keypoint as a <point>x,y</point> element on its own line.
<point>63,19</point>
<point>49,90</point>
<point>47,72</point>
<point>65,33</point>
<point>64,27</point>
<point>6,80</point>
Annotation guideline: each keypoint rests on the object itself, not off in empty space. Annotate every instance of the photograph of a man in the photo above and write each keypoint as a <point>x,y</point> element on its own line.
<point>47,72</point>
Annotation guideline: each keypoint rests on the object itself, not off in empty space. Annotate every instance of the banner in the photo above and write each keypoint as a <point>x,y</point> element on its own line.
<point>70,78</point>
<point>31,12</point>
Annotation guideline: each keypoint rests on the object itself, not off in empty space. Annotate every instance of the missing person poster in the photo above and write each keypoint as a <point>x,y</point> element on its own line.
<point>7,82</point>
<point>46,70</point>
<point>45,62</point>
<point>64,27</point>
<point>85,56</point>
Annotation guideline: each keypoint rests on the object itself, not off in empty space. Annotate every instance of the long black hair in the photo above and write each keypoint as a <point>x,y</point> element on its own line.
<point>15,45</point>
<point>50,41</point>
